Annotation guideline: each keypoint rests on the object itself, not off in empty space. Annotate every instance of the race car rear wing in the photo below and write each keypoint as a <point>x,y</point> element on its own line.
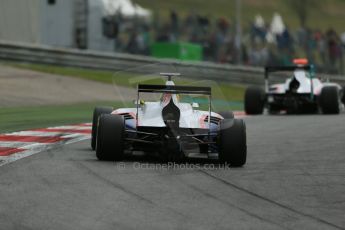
<point>272,69</point>
<point>173,89</point>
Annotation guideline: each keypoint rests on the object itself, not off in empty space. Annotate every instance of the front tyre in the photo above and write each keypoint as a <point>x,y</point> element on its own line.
<point>254,100</point>
<point>97,112</point>
<point>110,137</point>
<point>329,100</point>
<point>233,142</point>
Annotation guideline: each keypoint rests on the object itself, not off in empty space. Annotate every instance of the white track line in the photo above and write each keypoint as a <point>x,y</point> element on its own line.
<point>36,133</point>
<point>18,144</point>
<point>70,127</point>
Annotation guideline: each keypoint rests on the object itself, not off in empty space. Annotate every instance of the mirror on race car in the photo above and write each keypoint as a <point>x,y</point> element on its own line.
<point>138,102</point>
<point>195,105</point>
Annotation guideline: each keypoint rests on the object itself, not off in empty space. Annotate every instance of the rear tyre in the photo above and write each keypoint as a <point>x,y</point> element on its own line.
<point>343,97</point>
<point>329,100</point>
<point>233,142</point>
<point>254,100</point>
<point>110,137</point>
<point>227,114</point>
<point>98,111</point>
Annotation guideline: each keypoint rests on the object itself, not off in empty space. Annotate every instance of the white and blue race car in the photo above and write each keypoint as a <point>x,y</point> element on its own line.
<point>169,128</point>
<point>300,93</point>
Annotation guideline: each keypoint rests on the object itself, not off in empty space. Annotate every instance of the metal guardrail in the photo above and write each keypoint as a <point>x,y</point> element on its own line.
<point>40,54</point>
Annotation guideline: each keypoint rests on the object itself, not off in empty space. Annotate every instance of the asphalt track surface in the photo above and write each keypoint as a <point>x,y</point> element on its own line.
<point>294,179</point>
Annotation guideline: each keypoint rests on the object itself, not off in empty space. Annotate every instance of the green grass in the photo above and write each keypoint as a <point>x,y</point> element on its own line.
<point>330,13</point>
<point>22,118</point>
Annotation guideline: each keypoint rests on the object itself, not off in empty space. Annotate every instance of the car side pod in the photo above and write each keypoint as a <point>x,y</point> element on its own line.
<point>227,114</point>
<point>110,137</point>
<point>232,142</point>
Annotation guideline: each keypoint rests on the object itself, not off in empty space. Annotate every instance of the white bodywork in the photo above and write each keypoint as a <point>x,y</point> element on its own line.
<point>305,84</point>
<point>150,114</point>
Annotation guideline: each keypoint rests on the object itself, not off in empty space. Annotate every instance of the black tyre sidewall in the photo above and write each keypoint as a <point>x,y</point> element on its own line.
<point>110,137</point>
<point>254,100</point>
<point>329,100</point>
<point>233,142</point>
<point>96,113</point>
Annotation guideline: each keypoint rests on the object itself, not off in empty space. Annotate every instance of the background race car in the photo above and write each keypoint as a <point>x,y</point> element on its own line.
<point>301,93</point>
